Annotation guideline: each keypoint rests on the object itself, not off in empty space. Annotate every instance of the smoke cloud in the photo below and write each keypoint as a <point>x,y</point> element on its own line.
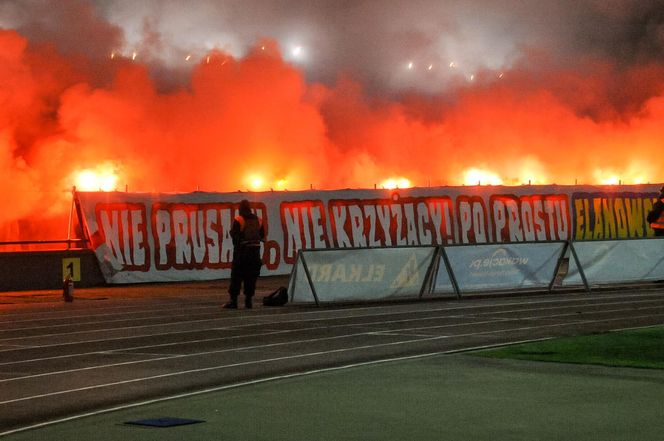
<point>253,95</point>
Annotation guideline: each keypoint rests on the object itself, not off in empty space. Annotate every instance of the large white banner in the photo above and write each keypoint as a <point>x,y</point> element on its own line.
<point>141,237</point>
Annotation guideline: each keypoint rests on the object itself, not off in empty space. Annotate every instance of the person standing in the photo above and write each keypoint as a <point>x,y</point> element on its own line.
<point>247,233</point>
<point>656,215</point>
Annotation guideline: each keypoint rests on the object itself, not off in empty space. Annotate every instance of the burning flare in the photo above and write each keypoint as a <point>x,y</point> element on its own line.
<point>393,183</point>
<point>103,178</point>
<point>478,176</point>
<point>256,182</point>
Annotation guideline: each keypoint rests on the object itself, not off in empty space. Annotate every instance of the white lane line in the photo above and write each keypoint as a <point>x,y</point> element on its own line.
<point>632,328</point>
<point>660,303</point>
<point>287,315</point>
<point>375,323</point>
<point>399,334</point>
<point>160,345</point>
<point>124,328</point>
<point>485,304</point>
<point>104,322</point>
<point>290,357</point>
<point>253,335</point>
<point>180,356</point>
<point>294,342</point>
<point>110,303</point>
<point>363,324</point>
<point>571,323</point>
<point>471,303</point>
<point>146,312</point>
<point>126,337</point>
<point>265,323</point>
<point>572,314</point>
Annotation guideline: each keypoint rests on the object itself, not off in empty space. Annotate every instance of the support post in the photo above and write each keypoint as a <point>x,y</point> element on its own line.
<point>429,276</point>
<point>71,215</point>
<point>578,265</point>
<point>311,283</point>
<point>561,258</point>
<point>450,273</point>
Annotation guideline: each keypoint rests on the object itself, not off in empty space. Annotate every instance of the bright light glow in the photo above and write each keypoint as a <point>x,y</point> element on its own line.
<point>104,179</point>
<point>430,66</point>
<point>297,53</point>
<point>634,173</point>
<point>531,171</point>
<point>255,181</point>
<point>610,180</point>
<point>393,183</point>
<point>112,55</point>
<point>410,65</point>
<point>476,176</point>
<point>134,55</point>
<point>453,65</point>
<point>606,177</point>
<point>280,184</point>
<point>187,58</point>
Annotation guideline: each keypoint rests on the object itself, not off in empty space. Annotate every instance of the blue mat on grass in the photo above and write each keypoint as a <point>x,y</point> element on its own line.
<point>164,422</point>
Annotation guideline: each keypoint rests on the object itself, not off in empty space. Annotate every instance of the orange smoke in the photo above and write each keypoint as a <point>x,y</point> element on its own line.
<point>255,123</point>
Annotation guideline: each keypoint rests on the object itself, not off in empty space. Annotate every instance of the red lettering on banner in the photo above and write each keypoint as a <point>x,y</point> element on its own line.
<point>473,220</point>
<point>124,229</point>
<point>304,225</point>
<point>197,236</point>
<point>530,218</point>
<point>358,223</point>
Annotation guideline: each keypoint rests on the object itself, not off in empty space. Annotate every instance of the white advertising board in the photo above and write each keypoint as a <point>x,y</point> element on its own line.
<point>505,266</point>
<point>623,261</point>
<point>360,274</point>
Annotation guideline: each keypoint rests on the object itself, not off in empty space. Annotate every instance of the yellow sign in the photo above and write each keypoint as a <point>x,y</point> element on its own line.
<point>72,265</point>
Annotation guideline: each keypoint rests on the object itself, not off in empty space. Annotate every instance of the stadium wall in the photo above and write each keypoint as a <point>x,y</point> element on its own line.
<point>44,270</point>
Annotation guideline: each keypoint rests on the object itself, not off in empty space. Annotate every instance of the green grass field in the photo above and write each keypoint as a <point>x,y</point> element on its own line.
<point>639,348</point>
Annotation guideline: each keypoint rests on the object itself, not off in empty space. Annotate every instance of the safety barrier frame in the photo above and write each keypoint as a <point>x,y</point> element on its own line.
<point>582,270</point>
<point>426,283</point>
<point>431,275</point>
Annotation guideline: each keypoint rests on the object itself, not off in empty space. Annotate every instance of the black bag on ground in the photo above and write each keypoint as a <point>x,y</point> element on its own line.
<point>277,298</point>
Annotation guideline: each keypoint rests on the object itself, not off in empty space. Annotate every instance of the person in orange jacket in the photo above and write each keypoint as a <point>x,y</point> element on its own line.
<point>247,233</point>
<point>656,215</point>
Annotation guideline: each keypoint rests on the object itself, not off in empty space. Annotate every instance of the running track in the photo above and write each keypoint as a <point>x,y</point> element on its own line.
<point>121,345</point>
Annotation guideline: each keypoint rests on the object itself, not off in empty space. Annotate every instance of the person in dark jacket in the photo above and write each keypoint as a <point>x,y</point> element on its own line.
<point>247,233</point>
<point>656,215</point>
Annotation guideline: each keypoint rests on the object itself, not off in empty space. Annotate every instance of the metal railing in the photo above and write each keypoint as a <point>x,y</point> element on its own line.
<point>48,244</point>
<point>44,243</point>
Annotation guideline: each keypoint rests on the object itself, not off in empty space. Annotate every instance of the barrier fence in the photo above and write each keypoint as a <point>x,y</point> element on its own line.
<point>361,274</point>
<point>617,261</point>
